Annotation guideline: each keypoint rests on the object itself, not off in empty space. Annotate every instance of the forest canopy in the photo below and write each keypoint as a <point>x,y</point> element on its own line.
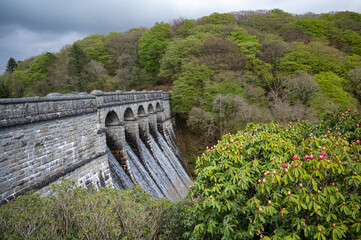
<point>223,70</point>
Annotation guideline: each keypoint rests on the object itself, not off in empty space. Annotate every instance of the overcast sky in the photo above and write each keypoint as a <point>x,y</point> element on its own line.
<point>31,27</point>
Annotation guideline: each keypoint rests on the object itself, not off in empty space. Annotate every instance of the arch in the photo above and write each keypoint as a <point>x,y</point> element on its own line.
<point>112,119</point>
<point>150,108</point>
<point>141,112</point>
<point>128,115</point>
<point>158,107</point>
<point>112,124</point>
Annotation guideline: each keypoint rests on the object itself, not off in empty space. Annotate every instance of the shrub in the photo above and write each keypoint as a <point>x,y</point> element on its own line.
<point>299,181</point>
<point>76,213</point>
<point>26,218</point>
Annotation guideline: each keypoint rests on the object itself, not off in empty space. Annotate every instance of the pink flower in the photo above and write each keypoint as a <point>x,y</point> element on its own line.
<point>322,155</point>
<point>295,157</point>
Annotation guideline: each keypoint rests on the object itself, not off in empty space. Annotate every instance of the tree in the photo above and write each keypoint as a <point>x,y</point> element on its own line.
<point>314,26</point>
<point>99,53</point>
<point>212,89</point>
<point>94,75</point>
<point>76,64</point>
<point>11,65</point>
<point>274,21</point>
<point>152,46</point>
<point>187,28</point>
<point>354,86</point>
<point>189,86</point>
<point>273,50</point>
<point>35,79</point>
<point>248,45</point>
<point>332,86</point>
<point>300,87</point>
<point>221,54</point>
<point>202,123</point>
<point>314,58</point>
<point>178,52</point>
<point>219,18</point>
<point>4,86</point>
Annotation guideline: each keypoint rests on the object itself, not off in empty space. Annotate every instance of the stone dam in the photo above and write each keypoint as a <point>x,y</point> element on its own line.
<point>103,139</point>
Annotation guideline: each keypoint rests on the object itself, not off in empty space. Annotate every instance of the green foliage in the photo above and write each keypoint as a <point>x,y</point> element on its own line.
<point>348,20</point>
<point>4,86</point>
<point>75,213</point>
<point>178,52</point>
<point>35,79</point>
<point>314,26</point>
<point>39,68</point>
<point>354,85</point>
<point>77,61</point>
<point>11,65</point>
<point>248,45</point>
<point>275,21</point>
<point>187,28</point>
<point>95,48</point>
<point>152,46</point>
<point>212,89</point>
<point>98,52</point>
<point>331,85</point>
<point>299,181</point>
<point>219,18</point>
<point>189,86</point>
<point>314,58</point>
<point>273,50</point>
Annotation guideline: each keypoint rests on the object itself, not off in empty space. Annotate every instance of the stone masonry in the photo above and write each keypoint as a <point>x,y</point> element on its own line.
<point>43,139</point>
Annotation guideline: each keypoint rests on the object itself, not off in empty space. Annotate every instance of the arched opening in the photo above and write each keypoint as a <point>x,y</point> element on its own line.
<point>150,109</point>
<point>128,115</point>
<point>158,107</point>
<point>112,119</point>
<point>141,112</point>
<point>112,124</point>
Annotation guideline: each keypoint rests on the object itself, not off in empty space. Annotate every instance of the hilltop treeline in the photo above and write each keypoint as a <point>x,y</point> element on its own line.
<point>224,70</point>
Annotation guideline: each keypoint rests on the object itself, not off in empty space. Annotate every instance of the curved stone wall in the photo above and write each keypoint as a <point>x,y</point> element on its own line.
<point>44,139</point>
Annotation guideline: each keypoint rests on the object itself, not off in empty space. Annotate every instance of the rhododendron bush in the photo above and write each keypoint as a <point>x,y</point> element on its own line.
<point>270,181</point>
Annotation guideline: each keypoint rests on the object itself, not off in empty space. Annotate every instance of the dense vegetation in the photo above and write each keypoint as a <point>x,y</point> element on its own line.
<point>270,181</point>
<point>224,70</point>
<point>76,213</point>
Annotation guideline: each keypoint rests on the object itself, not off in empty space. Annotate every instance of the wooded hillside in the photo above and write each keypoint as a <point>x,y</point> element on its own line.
<point>224,70</point>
